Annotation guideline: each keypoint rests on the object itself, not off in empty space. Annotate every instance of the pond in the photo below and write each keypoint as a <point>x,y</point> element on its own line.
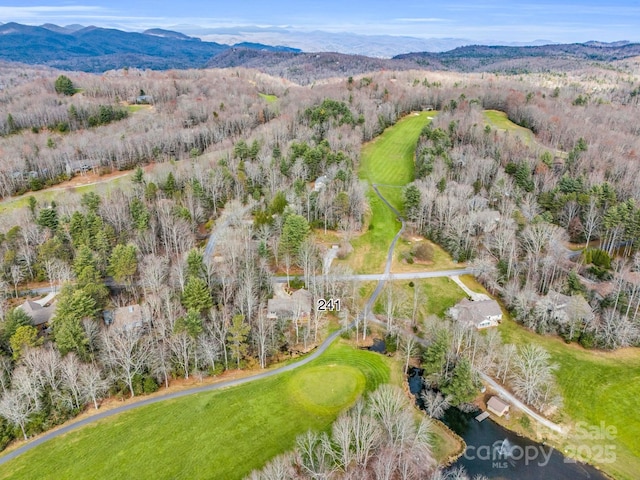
<point>498,453</point>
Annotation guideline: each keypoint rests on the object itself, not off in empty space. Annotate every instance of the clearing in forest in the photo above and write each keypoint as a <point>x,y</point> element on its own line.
<point>388,160</point>
<point>434,297</point>
<point>270,98</point>
<point>500,120</point>
<point>222,434</point>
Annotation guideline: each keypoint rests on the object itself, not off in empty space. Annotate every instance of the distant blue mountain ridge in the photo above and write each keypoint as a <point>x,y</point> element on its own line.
<point>95,49</point>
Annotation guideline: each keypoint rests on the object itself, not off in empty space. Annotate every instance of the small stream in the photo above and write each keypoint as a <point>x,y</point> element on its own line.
<point>498,453</point>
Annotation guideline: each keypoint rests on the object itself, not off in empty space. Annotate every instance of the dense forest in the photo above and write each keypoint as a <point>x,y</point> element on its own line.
<point>237,152</point>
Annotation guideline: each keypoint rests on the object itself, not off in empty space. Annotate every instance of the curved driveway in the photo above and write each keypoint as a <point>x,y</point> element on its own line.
<point>382,278</point>
<point>387,268</point>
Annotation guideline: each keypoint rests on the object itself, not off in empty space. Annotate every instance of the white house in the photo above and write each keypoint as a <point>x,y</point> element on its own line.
<point>480,314</point>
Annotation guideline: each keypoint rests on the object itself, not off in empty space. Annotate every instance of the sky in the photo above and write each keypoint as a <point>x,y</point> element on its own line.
<point>513,21</point>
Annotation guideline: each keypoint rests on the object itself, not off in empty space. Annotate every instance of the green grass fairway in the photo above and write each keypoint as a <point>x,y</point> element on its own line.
<point>62,194</point>
<point>224,434</point>
<point>268,97</point>
<point>501,121</point>
<point>137,108</point>
<point>327,388</point>
<point>386,160</point>
<point>596,387</point>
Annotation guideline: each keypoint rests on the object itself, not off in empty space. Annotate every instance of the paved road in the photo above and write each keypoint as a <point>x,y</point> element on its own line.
<point>504,393</point>
<point>169,396</point>
<point>368,277</point>
<point>365,277</point>
<point>381,278</point>
<point>368,308</point>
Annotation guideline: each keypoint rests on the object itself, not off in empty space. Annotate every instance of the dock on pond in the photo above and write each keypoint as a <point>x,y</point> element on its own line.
<point>482,416</point>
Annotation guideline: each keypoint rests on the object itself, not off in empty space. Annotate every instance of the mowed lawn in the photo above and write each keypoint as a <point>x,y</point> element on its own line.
<point>501,121</point>
<point>386,160</point>
<point>216,435</point>
<point>436,296</point>
<point>596,387</point>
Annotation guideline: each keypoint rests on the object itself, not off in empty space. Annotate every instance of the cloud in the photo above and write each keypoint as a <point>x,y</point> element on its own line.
<point>421,20</point>
<point>47,9</point>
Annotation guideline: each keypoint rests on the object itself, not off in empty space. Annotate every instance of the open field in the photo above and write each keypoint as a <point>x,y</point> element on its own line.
<point>441,259</point>
<point>388,159</point>
<point>137,108</point>
<point>436,296</point>
<point>223,434</point>
<point>77,185</point>
<point>500,120</point>
<point>268,97</point>
<point>370,249</point>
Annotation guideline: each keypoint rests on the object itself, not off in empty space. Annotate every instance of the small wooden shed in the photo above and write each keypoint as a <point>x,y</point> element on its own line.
<point>498,406</point>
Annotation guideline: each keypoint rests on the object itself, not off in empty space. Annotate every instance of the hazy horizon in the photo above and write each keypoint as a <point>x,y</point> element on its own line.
<point>495,21</point>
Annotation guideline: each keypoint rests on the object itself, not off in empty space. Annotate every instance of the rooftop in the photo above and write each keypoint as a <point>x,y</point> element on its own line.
<point>299,303</point>
<point>38,310</point>
<point>476,312</point>
<point>497,405</point>
<point>124,318</point>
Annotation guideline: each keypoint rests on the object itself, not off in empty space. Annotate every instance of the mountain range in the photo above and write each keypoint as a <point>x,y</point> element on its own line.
<point>95,49</point>
<point>382,46</point>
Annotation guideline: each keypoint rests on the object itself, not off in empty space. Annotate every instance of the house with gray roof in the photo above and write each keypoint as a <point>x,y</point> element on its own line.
<point>124,318</point>
<point>40,311</point>
<point>564,307</point>
<point>320,183</point>
<point>297,305</point>
<point>498,406</point>
<point>479,314</point>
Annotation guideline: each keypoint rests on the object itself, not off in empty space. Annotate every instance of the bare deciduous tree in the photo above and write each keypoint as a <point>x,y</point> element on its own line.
<point>17,408</point>
<point>531,374</point>
<point>435,404</point>
<point>126,353</point>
